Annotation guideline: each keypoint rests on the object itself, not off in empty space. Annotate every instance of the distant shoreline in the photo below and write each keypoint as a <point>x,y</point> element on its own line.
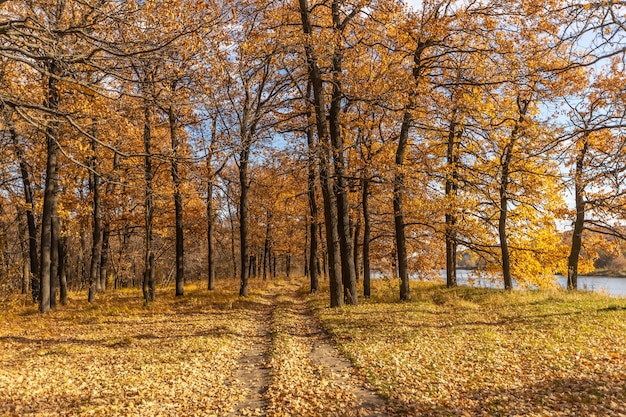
<point>605,273</point>
<point>598,273</point>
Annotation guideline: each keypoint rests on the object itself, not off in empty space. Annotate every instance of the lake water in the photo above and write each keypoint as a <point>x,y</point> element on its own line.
<point>615,287</point>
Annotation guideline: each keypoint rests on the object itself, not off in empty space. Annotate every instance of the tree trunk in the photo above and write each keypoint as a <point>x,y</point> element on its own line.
<point>210,238</point>
<point>398,181</point>
<point>251,266</point>
<point>24,250</point>
<point>311,162</point>
<point>30,216</point>
<point>178,207</point>
<point>322,255</point>
<point>63,270</point>
<point>451,194</point>
<point>82,256</point>
<point>232,240</point>
<point>330,208</point>
<point>54,261</point>
<point>325,264</point>
<point>104,256</point>
<point>148,285</point>
<point>506,159</point>
<point>266,247</point>
<point>4,256</point>
<point>579,223</point>
<point>341,191</point>
<point>210,211</point>
<point>96,236</point>
<point>306,248</point>
<point>50,191</point>
<point>25,275</point>
<point>357,232</point>
<point>243,217</point>
<point>313,267</point>
<point>398,210</point>
<point>366,238</point>
<point>504,201</point>
<point>273,265</point>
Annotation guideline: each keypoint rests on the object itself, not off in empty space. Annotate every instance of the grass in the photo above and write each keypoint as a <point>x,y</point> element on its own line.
<point>469,351</point>
<point>446,352</point>
<point>116,357</point>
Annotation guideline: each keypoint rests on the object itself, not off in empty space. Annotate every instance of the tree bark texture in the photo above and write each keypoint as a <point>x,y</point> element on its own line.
<point>24,251</point>
<point>451,193</point>
<point>330,208</point>
<point>30,210</point>
<point>579,222</point>
<point>398,210</point>
<point>366,238</point>
<point>312,177</point>
<point>267,246</point>
<point>507,158</point>
<point>232,240</point>
<point>355,253</point>
<point>50,190</point>
<point>210,238</point>
<point>398,181</point>
<point>243,217</point>
<point>178,206</point>
<point>105,255</point>
<point>54,261</point>
<point>62,270</point>
<point>348,269</point>
<point>96,235</point>
<point>148,285</point>
<point>504,209</point>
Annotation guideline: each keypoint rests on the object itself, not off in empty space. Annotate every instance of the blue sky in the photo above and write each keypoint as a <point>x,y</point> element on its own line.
<point>413,3</point>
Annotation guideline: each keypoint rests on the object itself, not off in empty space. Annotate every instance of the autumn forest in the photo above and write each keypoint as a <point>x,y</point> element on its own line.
<point>162,141</point>
<point>166,156</point>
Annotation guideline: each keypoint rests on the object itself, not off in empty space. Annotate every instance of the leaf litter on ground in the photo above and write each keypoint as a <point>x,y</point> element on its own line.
<point>487,352</point>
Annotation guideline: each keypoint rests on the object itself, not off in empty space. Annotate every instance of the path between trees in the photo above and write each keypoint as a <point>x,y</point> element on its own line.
<point>293,368</point>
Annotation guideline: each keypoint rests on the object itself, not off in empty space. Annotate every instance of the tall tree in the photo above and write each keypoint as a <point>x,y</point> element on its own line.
<point>178,199</point>
<point>340,21</point>
<point>597,165</point>
<point>252,95</point>
<point>148,286</point>
<point>30,206</point>
<point>311,181</point>
<point>418,71</point>
<point>330,208</point>
<point>96,237</point>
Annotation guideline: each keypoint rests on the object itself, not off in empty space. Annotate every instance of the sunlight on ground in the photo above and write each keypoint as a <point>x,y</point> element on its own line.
<point>487,352</point>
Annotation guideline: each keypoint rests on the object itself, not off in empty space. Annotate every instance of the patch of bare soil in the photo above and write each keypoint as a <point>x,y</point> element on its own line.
<point>325,356</point>
<point>309,375</point>
<point>253,370</point>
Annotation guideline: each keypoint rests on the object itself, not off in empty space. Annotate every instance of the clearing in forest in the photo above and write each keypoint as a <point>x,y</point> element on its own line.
<point>204,354</point>
<point>446,352</point>
<point>484,352</point>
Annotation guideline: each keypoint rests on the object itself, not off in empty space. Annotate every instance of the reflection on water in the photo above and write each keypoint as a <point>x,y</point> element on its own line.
<point>611,286</point>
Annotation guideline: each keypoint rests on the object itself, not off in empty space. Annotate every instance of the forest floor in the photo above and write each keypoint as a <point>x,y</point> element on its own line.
<point>486,352</point>
<point>205,354</point>
<point>281,352</point>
